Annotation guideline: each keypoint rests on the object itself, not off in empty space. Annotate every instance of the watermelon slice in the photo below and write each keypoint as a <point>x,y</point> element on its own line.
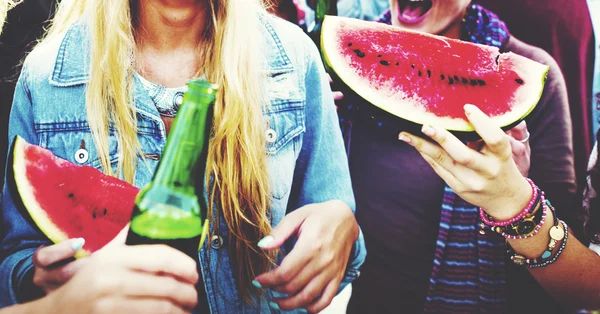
<point>69,201</point>
<point>422,78</point>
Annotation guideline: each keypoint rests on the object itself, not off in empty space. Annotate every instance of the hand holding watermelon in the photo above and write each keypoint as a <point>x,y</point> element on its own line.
<point>54,264</point>
<point>521,150</point>
<point>488,178</point>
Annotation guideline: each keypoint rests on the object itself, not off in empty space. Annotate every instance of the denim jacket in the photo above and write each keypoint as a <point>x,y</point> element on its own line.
<point>304,147</point>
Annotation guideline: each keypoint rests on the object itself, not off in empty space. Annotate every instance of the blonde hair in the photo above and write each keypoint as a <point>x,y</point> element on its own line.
<point>236,157</point>
<point>5,6</point>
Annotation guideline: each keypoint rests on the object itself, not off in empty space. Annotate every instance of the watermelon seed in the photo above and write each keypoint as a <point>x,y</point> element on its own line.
<point>456,78</point>
<point>104,212</point>
<point>465,81</point>
<point>412,66</point>
<point>450,81</point>
<point>70,195</point>
<point>378,56</point>
<point>481,82</point>
<point>442,76</point>
<point>397,63</point>
<point>383,62</point>
<point>349,44</point>
<point>94,215</point>
<point>473,82</point>
<point>497,59</point>
<point>519,81</point>
<point>359,53</point>
<point>428,73</point>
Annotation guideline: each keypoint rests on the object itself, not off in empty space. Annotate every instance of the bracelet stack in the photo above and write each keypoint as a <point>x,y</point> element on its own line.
<point>527,224</point>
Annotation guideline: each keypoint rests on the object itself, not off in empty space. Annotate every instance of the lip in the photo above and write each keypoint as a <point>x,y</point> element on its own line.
<point>411,21</point>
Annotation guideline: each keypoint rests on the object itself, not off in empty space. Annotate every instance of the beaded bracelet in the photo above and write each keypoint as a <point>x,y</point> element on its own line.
<point>558,253</point>
<point>525,211</point>
<point>539,262</point>
<point>543,210</point>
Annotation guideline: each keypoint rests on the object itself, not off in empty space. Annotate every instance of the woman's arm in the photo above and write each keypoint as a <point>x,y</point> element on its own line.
<point>490,179</point>
<point>330,249</point>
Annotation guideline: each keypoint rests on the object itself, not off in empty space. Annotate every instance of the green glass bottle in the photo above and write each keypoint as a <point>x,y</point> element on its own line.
<point>168,210</point>
<point>323,7</point>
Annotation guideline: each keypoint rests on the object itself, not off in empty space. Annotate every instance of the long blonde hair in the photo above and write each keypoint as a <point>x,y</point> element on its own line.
<point>5,6</point>
<point>230,57</point>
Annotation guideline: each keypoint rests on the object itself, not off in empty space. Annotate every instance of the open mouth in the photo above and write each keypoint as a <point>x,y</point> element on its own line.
<point>413,11</point>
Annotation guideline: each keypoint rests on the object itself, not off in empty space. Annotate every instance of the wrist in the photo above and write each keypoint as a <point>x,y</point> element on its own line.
<point>514,203</point>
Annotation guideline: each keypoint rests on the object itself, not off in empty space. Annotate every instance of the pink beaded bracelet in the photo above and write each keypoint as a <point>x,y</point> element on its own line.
<point>522,214</point>
<point>537,229</point>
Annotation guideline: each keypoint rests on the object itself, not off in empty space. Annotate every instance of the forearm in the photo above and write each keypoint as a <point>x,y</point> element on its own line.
<point>574,279</point>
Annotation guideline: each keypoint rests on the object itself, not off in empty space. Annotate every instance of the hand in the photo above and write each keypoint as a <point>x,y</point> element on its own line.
<point>521,151</point>
<point>337,95</point>
<point>130,279</point>
<point>53,266</point>
<point>488,178</point>
<point>312,272</point>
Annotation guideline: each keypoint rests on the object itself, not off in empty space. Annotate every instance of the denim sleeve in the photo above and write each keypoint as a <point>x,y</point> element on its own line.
<point>19,237</point>
<point>322,171</point>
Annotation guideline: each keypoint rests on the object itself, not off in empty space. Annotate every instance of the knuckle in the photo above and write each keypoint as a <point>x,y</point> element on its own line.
<point>477,186</point>
<point>465,160</point>
<point>305,297</point>
<point>317,245</point>
<point>440,158</point>
<point>290,288</point>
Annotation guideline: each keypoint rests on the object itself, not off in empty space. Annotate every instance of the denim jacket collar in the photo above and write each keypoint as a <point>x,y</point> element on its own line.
<point>72,67</point>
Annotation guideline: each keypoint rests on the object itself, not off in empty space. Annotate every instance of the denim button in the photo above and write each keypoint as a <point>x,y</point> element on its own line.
<point>216,242</point>
<point>271,136</point>
<point>81,156</point>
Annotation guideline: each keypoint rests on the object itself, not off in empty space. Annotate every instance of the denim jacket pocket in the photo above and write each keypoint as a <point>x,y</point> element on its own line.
<point>285,124</point>
<point>77,145</point>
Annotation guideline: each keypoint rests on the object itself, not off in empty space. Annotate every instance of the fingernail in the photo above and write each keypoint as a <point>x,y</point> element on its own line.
<point>256,284</point>
<point>274,306</point>
<point>468,109</point>
<point>77,244</point>
<point>404,138</point>
<point>265,241</point>
<point>427,130</point>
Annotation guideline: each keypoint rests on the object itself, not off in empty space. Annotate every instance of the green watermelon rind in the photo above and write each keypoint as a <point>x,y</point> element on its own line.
<point>24,197</point>
<point>459,127</point>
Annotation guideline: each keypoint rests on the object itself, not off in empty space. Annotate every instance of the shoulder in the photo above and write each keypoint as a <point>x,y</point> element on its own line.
<point>287,42</point>
<point>54,56</point>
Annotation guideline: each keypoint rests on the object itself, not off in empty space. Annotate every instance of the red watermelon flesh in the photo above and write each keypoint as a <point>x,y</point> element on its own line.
<point>68,201</point>
<point>428,79</point>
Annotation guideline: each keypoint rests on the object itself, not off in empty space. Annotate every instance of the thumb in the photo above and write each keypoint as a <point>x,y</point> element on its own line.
<point>289,225</point>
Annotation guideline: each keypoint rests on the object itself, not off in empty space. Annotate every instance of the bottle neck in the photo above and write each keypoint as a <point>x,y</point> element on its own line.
<point>325,7</point>
<point>186,143</point>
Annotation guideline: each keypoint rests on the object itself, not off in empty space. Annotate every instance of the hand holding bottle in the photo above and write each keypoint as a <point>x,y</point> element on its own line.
<point>312,272</point>
<point>129,279</point>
